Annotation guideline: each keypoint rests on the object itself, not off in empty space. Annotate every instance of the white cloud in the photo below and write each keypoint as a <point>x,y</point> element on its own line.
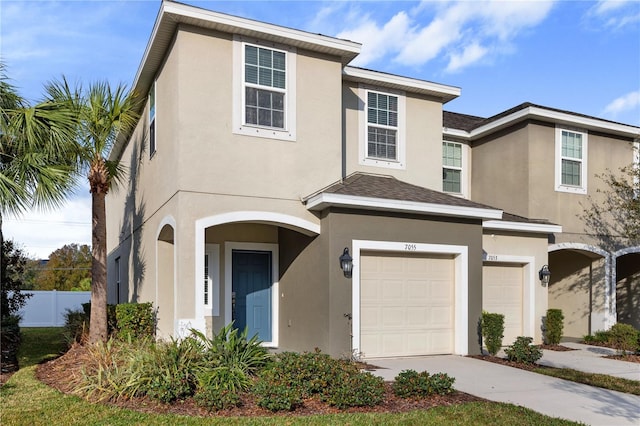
<point>377,41</point>
<point>472,53</point>
<point>622,104</point>
<point>456,29</point>
<point>614,14</point>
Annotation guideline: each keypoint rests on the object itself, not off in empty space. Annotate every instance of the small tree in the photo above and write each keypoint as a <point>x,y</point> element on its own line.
<point>13,265</point>
<point>493,331</point>
<point>66,269</point>
<point>554,325</point>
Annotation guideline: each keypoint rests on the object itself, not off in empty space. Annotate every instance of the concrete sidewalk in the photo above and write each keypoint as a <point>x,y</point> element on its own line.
<point>589,359</point>
<point>547,395</point>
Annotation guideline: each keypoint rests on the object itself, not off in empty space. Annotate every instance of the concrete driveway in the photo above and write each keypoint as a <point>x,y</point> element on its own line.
<point>547,395</point>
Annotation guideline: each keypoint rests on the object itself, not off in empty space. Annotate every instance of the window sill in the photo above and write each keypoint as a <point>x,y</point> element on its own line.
<point>265,132</point>
<point>571,189</point>
<point>378,162</point>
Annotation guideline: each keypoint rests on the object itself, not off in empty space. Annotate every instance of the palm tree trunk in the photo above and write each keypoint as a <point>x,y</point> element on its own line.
<point>98,320</point>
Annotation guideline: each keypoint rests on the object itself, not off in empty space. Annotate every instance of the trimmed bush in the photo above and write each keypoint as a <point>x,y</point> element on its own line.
<point>135,320</point>
<point>76,327</point>
<point>274,393</point>
<point>220,388</point>
<point>624,337</point>
<point>357,390</point>
<point>523,352</point>
<point>112,326</point>
<point>554,325</point>
<point>492,331</point>
<point>411,384</point>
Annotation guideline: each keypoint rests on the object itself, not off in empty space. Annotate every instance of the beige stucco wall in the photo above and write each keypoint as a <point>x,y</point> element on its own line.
<point>423,138</point>
<point>500,245</point>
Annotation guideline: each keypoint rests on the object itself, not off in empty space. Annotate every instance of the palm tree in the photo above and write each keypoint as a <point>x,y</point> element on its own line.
<point>36,153</point>
<point>104,114</point>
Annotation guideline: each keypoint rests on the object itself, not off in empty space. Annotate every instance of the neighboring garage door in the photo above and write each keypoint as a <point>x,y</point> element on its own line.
<point>502,289</point>
<point>406,304</point>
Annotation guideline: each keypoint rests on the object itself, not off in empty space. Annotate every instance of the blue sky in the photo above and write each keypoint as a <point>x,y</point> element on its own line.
<point>581,56</point>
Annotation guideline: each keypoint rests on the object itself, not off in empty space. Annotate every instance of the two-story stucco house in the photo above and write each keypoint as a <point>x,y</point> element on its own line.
<point>542,162</point>
<point>262,157</point>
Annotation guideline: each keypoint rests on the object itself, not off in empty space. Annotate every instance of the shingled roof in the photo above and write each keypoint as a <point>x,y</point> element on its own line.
<point>386,193</point>
<point>454,120</point>
<point>381,192</point>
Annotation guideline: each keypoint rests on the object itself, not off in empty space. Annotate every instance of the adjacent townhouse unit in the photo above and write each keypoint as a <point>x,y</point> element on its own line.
<point>542,162</point>
<point>274,185</point>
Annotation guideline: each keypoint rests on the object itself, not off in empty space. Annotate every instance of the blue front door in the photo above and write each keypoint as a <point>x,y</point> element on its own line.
<point>251,287</point>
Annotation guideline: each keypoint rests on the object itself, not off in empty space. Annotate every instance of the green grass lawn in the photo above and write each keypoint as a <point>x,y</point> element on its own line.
<point>26,401</point>
<point>600,380</point>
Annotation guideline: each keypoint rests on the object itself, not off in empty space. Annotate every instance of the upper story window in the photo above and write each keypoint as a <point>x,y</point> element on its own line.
<point>264,98</point>
<point>571,161</point>
<point>152,119</point>
<point>382,123</point>
<point>265,86</point>
<point>452,167</point>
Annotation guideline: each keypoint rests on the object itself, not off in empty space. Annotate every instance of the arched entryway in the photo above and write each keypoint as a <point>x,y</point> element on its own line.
<point>627,281</point>
<point>580,286</point>
<point>165,279</point>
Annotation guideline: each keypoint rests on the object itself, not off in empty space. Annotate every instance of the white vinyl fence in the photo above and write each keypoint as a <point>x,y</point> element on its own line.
<point>47,308</point>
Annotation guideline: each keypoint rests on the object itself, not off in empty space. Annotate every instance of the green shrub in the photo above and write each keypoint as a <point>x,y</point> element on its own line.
<point>273,392</point>
<point>411,384</point>
<point>135,320</point>
<point>624,338</point>
<point>357,390</point>
<point>523,352</point>
<point>492,331</point>
<point>220,387</point>
<point>76,326</point>
<point>230,347</point>
<point>10,339</point>
<point>441,383</point>
<point>112,325</point>
<point>554,326</point>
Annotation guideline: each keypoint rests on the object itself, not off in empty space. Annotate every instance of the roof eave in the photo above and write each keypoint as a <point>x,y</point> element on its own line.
<point>543,228</point>
<point>322,201</point>
<point>441,91</point>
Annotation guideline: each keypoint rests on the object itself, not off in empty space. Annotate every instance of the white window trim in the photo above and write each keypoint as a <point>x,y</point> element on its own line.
<point>461,284</point>
<point>365,160</point>
<point>213,307</point>
<point>155,119</point>
<point>118,278</point>
<point>239,126</point>
<point>559,186</point>
<point>228,258</point>
<point>464,181</point>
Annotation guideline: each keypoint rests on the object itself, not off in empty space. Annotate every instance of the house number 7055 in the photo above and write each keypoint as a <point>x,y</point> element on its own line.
<point>410,247</point>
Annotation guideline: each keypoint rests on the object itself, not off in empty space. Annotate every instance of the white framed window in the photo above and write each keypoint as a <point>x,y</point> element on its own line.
<point>152,119</point>
<point>264,89</point>
<point>452,174</point>
<point>382,122</point>
<point>211,283</point>
<point>571,160</point>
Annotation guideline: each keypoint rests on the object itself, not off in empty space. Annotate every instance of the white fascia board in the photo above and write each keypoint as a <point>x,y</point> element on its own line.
<point>557,117</point>
<point>324,200</point>
<point>522,226</point>
<point>260,28</point>
<point>446,131</point>
<point>406,83</point>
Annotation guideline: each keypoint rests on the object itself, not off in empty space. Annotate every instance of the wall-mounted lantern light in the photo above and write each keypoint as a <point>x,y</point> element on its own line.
<point>346,263</point>
<point>544,275</point>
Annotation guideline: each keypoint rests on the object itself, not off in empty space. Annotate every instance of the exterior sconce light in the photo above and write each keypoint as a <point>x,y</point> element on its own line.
<point>346,263</point>
<point>544,275</point>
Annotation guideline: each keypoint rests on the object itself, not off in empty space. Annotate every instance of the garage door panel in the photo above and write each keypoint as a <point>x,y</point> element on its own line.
<point>409,306</point>
<point>502,292</point>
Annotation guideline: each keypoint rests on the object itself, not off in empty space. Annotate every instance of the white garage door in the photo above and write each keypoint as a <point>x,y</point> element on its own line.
<point>406,305</point>
<point>502,293</point>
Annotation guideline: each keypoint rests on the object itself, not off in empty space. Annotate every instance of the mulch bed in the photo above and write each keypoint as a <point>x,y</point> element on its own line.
<point>63,374</point>
<point>558,348</point>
